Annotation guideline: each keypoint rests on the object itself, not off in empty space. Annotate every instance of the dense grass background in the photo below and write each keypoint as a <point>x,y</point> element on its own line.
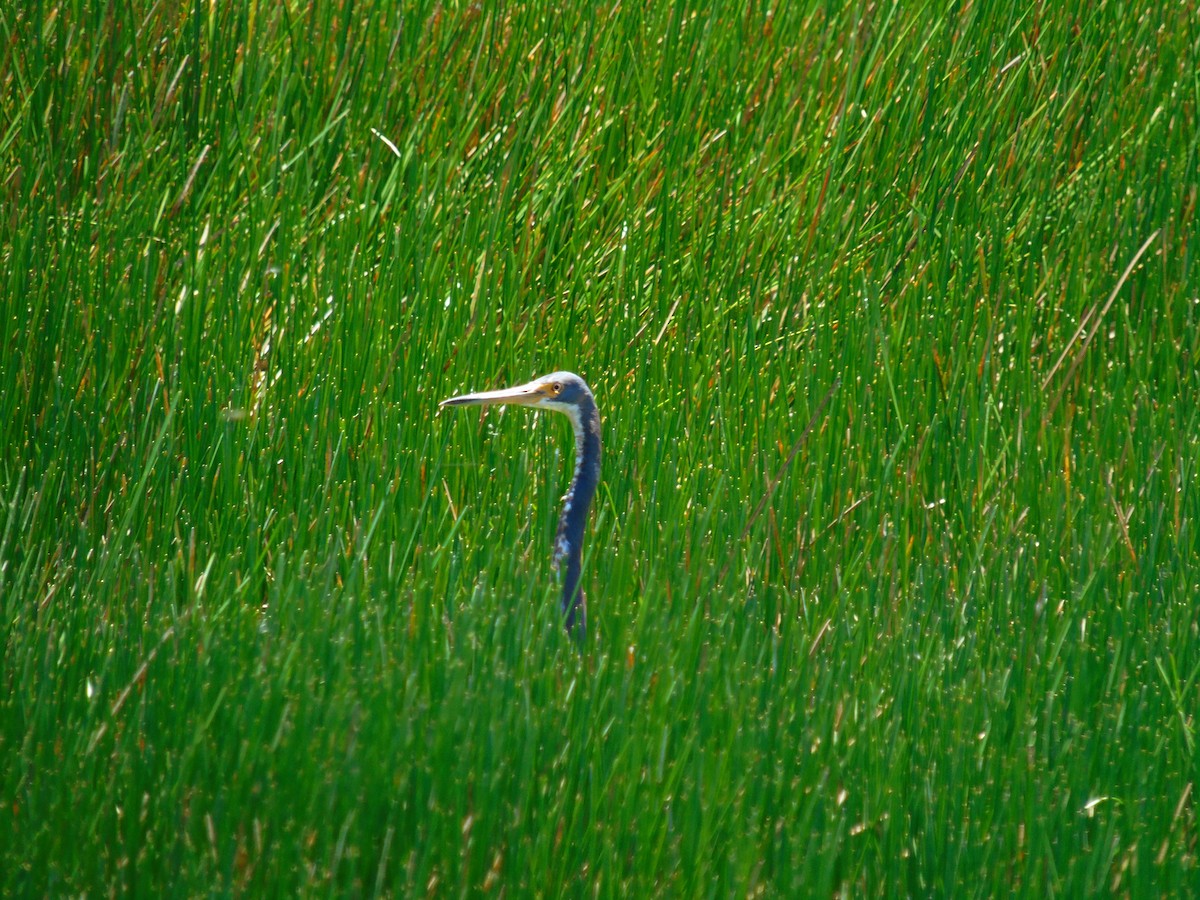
<point>271,624</point>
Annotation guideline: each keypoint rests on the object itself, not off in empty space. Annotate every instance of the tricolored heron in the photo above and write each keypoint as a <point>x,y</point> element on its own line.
<point>563,392</point>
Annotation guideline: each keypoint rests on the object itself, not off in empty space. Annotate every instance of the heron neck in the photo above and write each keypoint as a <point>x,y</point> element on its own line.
<point>587,475</point>
<point>569,541</point>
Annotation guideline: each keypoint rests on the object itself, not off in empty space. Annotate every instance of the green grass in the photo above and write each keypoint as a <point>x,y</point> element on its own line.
<point>272,625</point>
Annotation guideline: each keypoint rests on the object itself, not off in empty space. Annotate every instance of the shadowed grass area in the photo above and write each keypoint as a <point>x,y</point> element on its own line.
<point>273,625</point>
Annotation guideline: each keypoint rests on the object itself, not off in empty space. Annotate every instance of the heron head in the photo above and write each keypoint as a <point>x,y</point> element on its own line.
<point>560,391</point>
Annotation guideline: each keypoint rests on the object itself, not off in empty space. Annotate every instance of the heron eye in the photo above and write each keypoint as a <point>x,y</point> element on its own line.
<point>557,388</point>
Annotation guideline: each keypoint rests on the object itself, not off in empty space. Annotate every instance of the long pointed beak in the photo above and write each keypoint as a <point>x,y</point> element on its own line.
<point>523,395</point>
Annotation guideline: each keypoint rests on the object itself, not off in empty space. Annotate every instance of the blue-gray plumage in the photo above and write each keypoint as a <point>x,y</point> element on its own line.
<point>567,393</point>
